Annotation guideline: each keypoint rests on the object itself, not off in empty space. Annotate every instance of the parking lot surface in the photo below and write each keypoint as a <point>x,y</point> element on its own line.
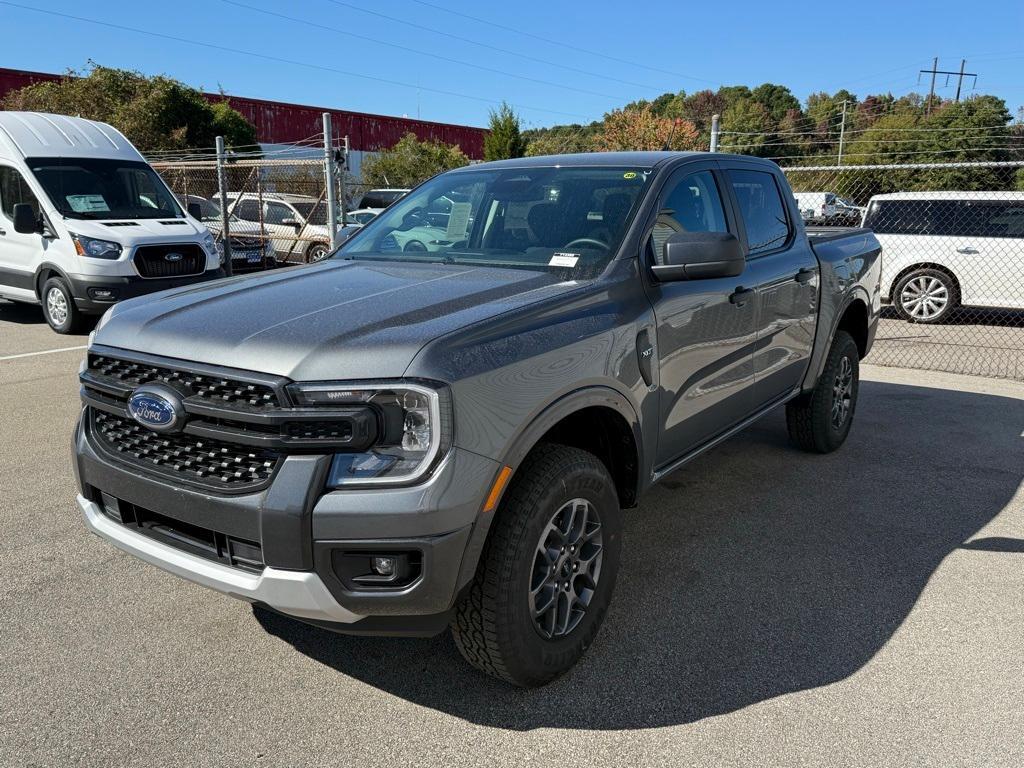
<point>773,608</point>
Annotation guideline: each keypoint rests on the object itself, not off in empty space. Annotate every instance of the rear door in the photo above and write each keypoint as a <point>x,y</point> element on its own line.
<point>784,271</point>
<point>989,252</point>
<point>705,328</point>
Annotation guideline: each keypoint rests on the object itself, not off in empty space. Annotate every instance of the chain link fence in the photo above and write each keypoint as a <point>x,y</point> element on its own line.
<point>952,238</point>
<point>277,207</point>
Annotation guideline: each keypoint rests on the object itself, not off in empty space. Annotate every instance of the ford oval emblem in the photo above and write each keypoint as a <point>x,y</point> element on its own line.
<point>173,257</point>
<point>156,407</point>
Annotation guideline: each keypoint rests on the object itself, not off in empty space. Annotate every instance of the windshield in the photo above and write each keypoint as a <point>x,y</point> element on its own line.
<point>90,188</point>
<point>313,213</point>
<point>529,218</point>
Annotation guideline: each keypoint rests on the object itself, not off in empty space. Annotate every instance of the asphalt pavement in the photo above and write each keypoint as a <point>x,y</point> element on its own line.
<point>773,608</point>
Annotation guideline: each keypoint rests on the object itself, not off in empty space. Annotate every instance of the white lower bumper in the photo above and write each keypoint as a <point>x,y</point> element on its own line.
<point>297,593</point>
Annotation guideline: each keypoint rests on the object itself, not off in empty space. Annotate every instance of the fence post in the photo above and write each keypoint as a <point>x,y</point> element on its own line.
<point>344,173</point>
<point>714,133</point>
<point>332,203</point>
<point>225,218</point>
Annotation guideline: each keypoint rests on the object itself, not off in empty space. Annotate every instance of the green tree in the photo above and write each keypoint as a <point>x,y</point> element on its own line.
<point>746,128</point>
<point>504,139</point>
<point>777,99</point>
<point>155,113</point>
<point>411,161</point>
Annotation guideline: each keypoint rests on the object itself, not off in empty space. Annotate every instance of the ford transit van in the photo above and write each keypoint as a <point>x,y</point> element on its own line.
<point>86,222</point>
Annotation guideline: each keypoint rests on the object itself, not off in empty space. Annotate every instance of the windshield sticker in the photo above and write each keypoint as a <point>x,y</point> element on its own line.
<point>87,203</point>
<point>458,221</point>
<point>564,259</point>
<point>629,175</point>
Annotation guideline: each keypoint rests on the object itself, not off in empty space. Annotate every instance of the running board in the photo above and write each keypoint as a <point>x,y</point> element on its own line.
<point>660,474</point>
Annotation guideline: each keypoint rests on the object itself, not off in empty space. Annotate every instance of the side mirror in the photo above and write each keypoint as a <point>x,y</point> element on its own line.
<point>195,210</point>
<point>700,256</point>
<point>26,221</point>
<point>292,222</point>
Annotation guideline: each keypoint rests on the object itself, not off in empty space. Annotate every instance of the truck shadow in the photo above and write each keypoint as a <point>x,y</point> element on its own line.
<point>754,572</point>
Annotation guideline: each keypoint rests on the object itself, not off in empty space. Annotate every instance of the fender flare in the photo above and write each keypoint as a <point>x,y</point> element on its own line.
<point>49,266</point>
<point>527,437</point>
<point>859,293</point>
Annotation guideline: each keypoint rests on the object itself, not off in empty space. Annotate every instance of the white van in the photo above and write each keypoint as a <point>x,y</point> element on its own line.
<point>85,221</point>
<point>948,249</point>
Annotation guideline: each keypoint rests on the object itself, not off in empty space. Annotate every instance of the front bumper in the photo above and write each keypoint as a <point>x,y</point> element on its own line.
<point>85,288</point>
<point>297,593</point>
<point>300,527</point>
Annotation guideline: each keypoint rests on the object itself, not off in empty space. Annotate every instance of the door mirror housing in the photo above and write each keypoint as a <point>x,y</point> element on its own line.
<point>291,221</point>
<point>700,256</point>
<point>195,211</point>
<point>26,221</point>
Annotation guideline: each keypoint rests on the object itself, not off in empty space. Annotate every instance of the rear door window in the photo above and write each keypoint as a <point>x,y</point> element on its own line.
<point>984,218</point>
<point>761,207</point>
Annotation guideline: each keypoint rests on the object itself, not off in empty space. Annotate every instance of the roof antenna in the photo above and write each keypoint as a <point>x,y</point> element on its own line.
<point>671,134</point>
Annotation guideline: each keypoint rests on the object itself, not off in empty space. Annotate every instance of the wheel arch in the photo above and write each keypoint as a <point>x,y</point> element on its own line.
<point>44,272</point>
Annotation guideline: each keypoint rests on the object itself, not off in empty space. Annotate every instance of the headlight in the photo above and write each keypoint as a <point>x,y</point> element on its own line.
<point>211,245</point>
<point>413,429</point>
<point>97,249</point>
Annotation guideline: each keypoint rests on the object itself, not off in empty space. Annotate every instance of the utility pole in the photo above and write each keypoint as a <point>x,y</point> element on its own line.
<point>948,73</point>
<point>842,133</point>
<point>225,215</point>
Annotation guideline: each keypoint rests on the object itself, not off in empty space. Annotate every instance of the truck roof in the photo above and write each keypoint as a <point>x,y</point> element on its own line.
<point>37,134</point>
<point>581,159</point>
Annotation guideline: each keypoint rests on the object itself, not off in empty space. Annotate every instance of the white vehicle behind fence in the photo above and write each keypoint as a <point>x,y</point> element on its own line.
<point>942,250</point>
<point>297,224</point>
<point>827,208</point>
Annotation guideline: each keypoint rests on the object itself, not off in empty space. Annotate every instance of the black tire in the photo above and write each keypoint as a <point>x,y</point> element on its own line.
<point>59,307</point>
<point>414,246</point>
<point>936,284</point>
<point>317,252</point>
<point>818,421</point>
<point>494,625</point>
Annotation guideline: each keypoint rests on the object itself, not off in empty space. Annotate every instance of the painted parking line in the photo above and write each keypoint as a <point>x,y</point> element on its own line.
<point>43,352</point>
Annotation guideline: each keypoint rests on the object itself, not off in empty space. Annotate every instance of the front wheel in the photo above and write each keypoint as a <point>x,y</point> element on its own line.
<point>819,420</point>
<point>317,252</point>
<point>546,575</point>
<point>59,307</point>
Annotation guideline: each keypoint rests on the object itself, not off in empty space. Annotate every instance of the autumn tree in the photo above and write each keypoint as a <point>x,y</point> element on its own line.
<point>641,129</point>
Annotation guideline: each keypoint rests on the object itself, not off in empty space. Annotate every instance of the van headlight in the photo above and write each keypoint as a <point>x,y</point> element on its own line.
<point>413,429</point>
<point>95,248</point>
<point>210,244</point>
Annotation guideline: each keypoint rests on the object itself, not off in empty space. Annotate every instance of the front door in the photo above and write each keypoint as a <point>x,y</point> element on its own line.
<point>785,272</point>
<point>705,327</point>
<point>19,253</point>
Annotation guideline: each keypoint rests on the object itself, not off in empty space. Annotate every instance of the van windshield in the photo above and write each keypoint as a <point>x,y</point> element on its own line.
<point>91,188</point>
<point>528,218</point>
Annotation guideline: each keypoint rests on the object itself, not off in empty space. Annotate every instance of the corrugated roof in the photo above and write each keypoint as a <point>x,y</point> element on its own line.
<point>36,134</point>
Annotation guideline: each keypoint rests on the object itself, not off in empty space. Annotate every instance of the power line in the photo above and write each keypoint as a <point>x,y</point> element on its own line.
<point>470,41</point>
<point>563,44</point>
<point>419,52</point>
<point>279,59</point>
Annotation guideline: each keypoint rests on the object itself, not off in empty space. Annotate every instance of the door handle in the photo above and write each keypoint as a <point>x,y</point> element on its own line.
<point>3,231</point>
<point>805,275</point>
<point>740,296</point>
<point>967,250</point>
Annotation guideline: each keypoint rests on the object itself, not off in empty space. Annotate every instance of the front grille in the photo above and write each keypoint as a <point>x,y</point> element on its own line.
<point>183,456</point>
<point>170,260</point>
<point>214,390</point>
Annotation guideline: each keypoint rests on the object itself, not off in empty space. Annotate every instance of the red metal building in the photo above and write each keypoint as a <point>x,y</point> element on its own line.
<point>282,123</point>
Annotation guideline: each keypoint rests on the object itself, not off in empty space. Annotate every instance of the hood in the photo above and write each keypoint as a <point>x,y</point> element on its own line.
<point>132,232</point>
<point>334,320</point>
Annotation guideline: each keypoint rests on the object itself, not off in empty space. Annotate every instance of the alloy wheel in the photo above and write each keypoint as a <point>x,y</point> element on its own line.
<point>842,393</point>
<point>57,306</point>
<point>924,297</point>
<point>566,568</point>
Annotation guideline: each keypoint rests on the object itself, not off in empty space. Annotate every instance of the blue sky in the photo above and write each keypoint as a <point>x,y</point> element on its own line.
<point>574,62</point>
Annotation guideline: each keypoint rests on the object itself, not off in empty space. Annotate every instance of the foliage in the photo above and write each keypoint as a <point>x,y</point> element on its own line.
<point>155,113</point>
<point>410,162</point>
<point>504,139</point>
<point>752,123</point>
<point>642,129</point>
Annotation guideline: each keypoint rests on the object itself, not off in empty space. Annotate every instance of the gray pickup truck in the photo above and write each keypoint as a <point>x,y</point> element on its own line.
<point>442,424</point>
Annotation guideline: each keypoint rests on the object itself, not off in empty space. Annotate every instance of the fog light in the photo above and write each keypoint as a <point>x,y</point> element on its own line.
<point>384,566</point>
<point>102,294</point>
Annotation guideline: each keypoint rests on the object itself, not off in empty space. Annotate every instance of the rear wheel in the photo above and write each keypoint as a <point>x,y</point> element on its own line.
<point>59,307</point>
<point>820,420</point>
<point>546,575</point>
<point>926,296</point>
<point>317,252</point>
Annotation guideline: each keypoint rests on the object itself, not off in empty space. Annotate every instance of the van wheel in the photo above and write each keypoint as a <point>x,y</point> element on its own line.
<point>819,420</point>
<point>59,307</point>
<point>926,296</point>
<point>547,572</point>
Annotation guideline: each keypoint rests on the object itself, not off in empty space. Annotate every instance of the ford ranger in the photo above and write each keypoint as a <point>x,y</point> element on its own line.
<point>442,424</point>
